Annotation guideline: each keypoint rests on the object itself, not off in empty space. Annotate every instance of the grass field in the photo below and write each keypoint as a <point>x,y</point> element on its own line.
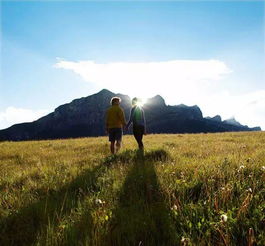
<point>191,189</point>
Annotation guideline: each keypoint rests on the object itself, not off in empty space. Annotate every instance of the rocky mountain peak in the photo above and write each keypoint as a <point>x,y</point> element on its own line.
<point>156,101</point>
<point>232,121</point>
<point>86,116</point>
<point>105,92</point>
<point>215,118</point>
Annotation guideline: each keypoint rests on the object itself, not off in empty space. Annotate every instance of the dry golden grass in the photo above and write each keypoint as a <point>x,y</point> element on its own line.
<point>187,189</point>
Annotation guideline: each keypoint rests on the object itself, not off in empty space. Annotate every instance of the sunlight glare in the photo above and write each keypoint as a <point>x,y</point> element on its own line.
<point>141,102</point>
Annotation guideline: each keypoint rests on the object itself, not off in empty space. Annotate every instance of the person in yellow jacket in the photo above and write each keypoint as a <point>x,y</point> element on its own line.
<point>115,121</point>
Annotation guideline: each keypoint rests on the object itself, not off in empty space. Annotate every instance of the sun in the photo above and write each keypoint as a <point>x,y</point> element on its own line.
<point>141,102</point>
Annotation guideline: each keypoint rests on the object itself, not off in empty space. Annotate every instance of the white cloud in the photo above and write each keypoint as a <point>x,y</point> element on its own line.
<point>247,108</point>
<point>146,79</point>
<point>252,110</point>
<point>178,81</point>
<point>14,115</point>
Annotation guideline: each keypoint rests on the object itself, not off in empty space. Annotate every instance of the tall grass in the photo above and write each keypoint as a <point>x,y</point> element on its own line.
<point>188,189</point>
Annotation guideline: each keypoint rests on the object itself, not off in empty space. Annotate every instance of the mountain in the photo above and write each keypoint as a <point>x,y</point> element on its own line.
<point>215,118</point>
<point>232,121</point>
<point>85,117</point>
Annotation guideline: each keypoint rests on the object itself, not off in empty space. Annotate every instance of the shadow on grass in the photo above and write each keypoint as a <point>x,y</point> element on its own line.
<point>25,226</point>
<point>142,217</point>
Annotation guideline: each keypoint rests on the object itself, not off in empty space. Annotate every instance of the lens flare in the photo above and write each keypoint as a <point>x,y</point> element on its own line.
<point>141,102</point>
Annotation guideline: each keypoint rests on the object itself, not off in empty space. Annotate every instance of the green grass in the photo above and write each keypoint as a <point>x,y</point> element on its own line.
<point>72,192</point>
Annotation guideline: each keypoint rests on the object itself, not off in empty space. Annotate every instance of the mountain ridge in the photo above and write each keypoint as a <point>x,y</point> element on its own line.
<point>84,117</point>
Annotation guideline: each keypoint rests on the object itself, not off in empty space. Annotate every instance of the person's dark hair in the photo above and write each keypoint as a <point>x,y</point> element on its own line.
<point>115,100</point>
<point>134,100</point>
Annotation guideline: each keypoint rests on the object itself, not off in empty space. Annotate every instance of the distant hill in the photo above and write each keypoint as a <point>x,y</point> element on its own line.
<point>85,117</point>
<point>232,121</point>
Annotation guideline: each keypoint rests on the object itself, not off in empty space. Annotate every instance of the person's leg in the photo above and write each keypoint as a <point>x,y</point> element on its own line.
<point>118,145</point>
<point>112,147</point>
<point>118,139</point>
<point>135,133</point>
<point>138,135</point>
<point>141,133</point>
<point>112,140</point>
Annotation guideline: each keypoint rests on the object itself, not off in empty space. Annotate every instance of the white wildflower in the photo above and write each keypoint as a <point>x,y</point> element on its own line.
<point>223,218</point>
<point>98,201</point>
<point>241,168</point>
<point>184,241</point>
<point>249,190</point>
<point>175,207</point>
<point>263,168</point>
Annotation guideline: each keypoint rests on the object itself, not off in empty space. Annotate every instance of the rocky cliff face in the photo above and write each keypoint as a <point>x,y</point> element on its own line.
<point>85,117</point>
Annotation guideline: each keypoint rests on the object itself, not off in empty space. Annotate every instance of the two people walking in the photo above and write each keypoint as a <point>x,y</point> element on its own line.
<point>115,122</point>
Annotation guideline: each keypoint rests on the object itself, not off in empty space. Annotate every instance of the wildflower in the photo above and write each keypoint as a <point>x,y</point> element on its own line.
<point>263,168</point>
<point>174,208</point>
<point>184,241</point>
<point>249,190</point>
<point>223,218</point>
<point>182,175</point>
<point>250,232</point>
<point>241,168</point>
<point>99,202</point>
<point>251,237</point>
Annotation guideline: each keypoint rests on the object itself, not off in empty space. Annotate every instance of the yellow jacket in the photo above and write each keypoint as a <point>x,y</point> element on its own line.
<point>115,117</point>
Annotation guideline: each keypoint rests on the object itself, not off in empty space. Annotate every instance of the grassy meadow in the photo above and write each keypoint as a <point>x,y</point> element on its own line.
<point>186,189</point>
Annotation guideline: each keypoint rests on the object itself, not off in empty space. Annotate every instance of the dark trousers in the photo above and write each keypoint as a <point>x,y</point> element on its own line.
<point>138,132</point>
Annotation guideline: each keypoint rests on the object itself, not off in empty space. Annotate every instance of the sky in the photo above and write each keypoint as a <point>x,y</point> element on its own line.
<point>205,53</point>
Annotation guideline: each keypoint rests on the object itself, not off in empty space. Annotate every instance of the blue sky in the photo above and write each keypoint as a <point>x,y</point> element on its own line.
<point>47,47</point>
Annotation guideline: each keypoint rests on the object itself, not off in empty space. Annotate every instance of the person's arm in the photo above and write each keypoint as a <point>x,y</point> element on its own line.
<point>130,119</point>
<point>107,121</point>
<point>144,121</point>
<point>121,116</point>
